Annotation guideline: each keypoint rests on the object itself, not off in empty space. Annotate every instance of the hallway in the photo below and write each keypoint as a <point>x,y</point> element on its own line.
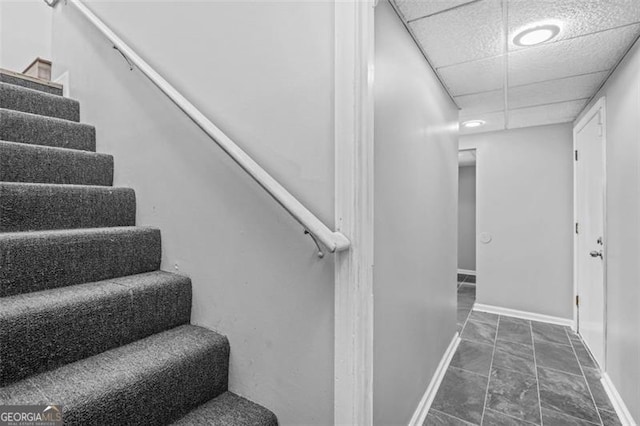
<point>510,371</point>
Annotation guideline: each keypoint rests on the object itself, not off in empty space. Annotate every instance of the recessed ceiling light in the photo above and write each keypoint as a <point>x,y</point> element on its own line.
<point>536,35</point>
<point>473,123</point>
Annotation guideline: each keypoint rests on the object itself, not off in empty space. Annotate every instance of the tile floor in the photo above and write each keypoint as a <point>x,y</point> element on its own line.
<point>466,299</point>
<point>509,371</point>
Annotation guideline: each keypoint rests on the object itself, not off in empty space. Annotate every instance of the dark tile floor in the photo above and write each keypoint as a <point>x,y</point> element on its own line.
<point>466,299</point>
<point>509,371</point>
<point>464,278</point>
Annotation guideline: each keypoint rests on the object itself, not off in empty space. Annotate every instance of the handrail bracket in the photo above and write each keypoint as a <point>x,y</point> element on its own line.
<point>125,57</point>
<point>320,252</point>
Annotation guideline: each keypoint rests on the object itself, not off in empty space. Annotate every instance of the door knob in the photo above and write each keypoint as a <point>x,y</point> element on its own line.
<point>595,253</point>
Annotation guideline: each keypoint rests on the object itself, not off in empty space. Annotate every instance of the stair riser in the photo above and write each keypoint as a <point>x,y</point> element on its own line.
<point>29,207</point>
<point>45,330</point>
<point>35,102</point>
<point>34,164</point>
<point>38,130</point>
<point>29,84</point>
<point>44,260</point>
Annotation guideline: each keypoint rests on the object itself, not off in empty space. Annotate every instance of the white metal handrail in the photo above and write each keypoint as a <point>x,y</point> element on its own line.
<point>332,240</point>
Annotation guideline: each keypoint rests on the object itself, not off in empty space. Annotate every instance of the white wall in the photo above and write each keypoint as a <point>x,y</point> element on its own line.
<point>25,33</point>
<point>416,187</point>
<point>263,72</point>
<point>524,200</point>
<point>622,92</point>
<point>467,218</point>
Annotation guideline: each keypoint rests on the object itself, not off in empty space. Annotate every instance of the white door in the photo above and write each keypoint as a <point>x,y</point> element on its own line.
<point>590,193</point>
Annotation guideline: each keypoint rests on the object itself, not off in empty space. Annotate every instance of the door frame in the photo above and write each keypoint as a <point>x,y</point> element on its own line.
<point>598,107</point>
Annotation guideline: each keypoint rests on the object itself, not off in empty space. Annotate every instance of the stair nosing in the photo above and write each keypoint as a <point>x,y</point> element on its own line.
<point>221,342</point>
<point>38,92</point>
<point>68,186</point>
<point>35,147</point>
<point>76,231</point>
<point>47,117</point>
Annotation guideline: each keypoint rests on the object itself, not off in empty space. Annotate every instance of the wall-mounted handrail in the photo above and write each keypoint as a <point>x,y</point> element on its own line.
<point>332,240</point>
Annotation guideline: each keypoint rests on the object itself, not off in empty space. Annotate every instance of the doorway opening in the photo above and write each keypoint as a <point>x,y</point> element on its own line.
<point>467,275</point>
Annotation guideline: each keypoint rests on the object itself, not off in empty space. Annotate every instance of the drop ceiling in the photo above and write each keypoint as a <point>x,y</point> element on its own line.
<point>470,45</point>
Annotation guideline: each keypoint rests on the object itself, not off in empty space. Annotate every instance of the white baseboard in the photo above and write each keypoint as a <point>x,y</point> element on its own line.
<point>467,272</point>
<point>621,408</point>
<point>420,414</point>
<point>523,314</point>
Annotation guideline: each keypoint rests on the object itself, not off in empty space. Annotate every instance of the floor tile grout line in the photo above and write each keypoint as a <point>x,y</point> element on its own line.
<point>544,367</point>
<point>493,353</point>
<point>512,417</point>
<point>535,366</point>
<point>467,371</point>
<point>584,377</point>
<point>451,415</point>
<point>572,417</point>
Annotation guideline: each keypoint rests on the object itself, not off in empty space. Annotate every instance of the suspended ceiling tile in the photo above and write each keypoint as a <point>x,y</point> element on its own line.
<point>592,53</point>
<point>464,34</point>
<point>481,102</point>
<point>414,9</point>
<point>574,17</point>
<point>493,121</point>
<point>553,91</point>
<point>474,77</point>
<point>545,114</point>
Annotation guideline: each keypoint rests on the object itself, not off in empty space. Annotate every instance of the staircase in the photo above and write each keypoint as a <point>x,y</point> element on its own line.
<point>87,319</point>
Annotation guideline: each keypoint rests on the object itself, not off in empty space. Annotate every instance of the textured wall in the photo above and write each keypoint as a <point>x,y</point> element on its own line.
<point>622,93</point>
<point>524,200</point>
<point>416,187</point>
<point>263,72</point>
<point>467,218</point>
<point>25,33</point>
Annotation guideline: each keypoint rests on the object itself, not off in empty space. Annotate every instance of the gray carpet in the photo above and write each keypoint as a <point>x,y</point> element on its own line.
<point>229,410</point>
<point>34,261</point>
<point>37,206</point>
<point>40,164</point>
<point>16,126</point>
<point>36,102</point>
<point>51,328</point>
<point>87,320</point>
<point>148,382</point>
<point>30,84</point>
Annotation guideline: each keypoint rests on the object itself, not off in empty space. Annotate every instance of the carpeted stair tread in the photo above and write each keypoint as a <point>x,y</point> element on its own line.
<point>229,410</point>
<point>16,126</point>
<point>151,381</point>
<point>36,102</point>
<point>36,206</point>
<point>29,83</point>
<point>43,330</point>
<point>41,164</point>
<point>35,261</point>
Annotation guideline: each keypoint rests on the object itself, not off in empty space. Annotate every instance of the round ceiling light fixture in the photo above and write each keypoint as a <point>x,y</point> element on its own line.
<point>473,123</point>
<point>536,35</point>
